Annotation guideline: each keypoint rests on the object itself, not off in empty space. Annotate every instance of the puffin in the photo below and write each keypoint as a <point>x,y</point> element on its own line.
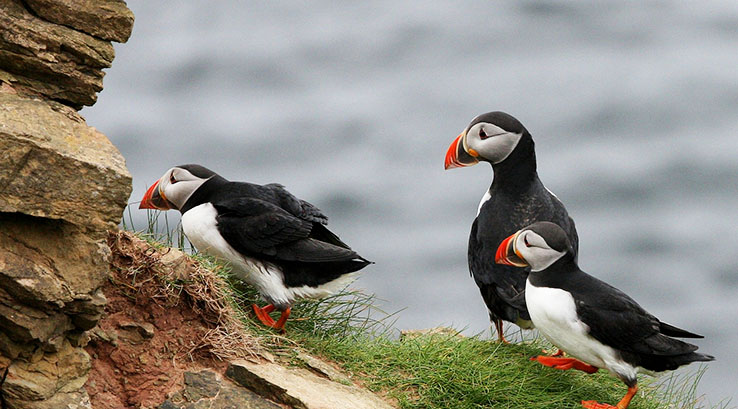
<point>515,199</point>
<point>272,240</point>
<point>597,325</point>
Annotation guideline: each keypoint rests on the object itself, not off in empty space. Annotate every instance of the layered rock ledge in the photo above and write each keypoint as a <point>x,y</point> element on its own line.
<point>58,48</point>
<point>63,185</point>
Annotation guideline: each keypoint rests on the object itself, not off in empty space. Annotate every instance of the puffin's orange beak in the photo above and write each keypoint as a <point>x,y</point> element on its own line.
<point>457,156</point>
<point>154,199</point>
<point>507,253</point>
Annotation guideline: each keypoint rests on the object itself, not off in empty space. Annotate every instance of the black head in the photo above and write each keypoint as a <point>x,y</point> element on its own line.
<point>198,170</point>
<point>500,119</point>
<point>555,236</point>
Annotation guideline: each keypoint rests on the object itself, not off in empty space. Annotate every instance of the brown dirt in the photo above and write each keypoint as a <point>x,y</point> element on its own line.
<point>154,329</point>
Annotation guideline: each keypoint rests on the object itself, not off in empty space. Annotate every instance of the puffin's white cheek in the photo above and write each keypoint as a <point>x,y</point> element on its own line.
<point>497,148</point>
<point>178,193</point>
<point>503,146</point>
<point>541,259</point>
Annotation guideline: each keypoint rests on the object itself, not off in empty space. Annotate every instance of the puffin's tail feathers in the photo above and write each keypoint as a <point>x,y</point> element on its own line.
<point>673,331</point>
<point>674,362</point>
<point>317,273</point>
<point>663,353</point>
<point>320,232</point>
<point>355,264</point>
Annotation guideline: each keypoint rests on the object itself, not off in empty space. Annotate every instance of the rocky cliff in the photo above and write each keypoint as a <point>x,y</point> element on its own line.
<point>63,185</point>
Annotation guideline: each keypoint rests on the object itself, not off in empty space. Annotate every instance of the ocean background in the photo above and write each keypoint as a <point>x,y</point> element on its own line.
<point>352,105</point>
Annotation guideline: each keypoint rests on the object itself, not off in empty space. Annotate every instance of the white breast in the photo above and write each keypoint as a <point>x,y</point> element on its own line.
<point>201,229</point>
<point>553,313</point>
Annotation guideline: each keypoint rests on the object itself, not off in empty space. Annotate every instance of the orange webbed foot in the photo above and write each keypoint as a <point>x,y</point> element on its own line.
<point>565,363</point>
<point>590,404</point>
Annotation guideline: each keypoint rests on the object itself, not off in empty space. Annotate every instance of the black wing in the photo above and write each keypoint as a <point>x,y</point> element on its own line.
<point>259,228</point>
<point>617,320</point>
<point>305,211</point>
<point>256,226</point>
<point>297,207</point>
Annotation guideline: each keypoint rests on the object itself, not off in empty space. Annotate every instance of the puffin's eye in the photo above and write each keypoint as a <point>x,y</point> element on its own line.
<point>482,135</point>
<point>172,180</point>
<point>525,240</point>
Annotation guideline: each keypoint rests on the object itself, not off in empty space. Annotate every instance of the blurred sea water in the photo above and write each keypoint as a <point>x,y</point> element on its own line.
<point>633,107</point>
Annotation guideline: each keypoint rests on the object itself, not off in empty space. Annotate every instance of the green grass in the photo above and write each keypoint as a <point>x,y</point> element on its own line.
<point>447,371</point>
<point>439,371</point>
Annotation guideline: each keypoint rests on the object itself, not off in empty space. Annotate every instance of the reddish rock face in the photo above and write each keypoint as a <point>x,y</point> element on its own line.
<point>134,367</point>
<point>152,336</point>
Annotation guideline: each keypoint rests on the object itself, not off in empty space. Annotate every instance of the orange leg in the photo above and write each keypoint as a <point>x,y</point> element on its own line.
<point>565,363</point>
<point>590,404</point>
<point>500,335</point>
<point>282,319</point>
<point>263,315</point>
